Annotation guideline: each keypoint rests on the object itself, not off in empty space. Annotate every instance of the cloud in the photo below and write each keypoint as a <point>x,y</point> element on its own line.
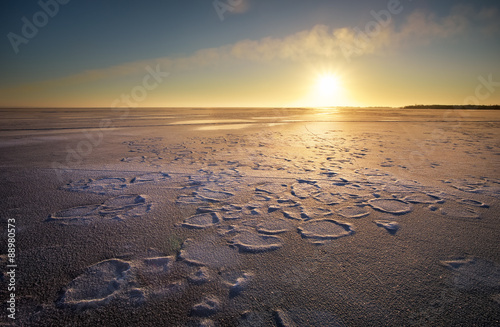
<point>427,27</point>
<point>491,17</point>
<point>239,6</point>
<point>320,41</point>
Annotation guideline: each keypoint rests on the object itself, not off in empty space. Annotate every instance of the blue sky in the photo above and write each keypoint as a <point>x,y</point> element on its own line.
<point>429,47</point>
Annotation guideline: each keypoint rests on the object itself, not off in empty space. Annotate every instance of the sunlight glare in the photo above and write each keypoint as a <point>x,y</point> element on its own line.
<point>328,90</point>
<point>328,84</point>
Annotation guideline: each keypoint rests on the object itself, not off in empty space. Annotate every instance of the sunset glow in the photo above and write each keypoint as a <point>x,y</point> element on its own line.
<point>251,53</point>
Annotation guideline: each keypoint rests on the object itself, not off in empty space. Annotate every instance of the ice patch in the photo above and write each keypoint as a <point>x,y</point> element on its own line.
<point>460,212</point>
<point>274,226</point>
<point>120,207</point>
<point>272,188</point>
<point>248,241</point>
<point>293,212</point>
<point>393,206</point>
<point>262,197</point>
<point>201,221</point>
<point>125,206</point>
<point>314,213</point>
<point>100,186</point>
<point>207,253</point>
<point>391,226</point>
<point>123,202</point>
<point>232,207</point>
<point>401,188</point>
<point>476,185</point>
<point>353,212</point>
<point>189,199</point>
<point>286,200</point>
<point>97,286</point>
<point>167,291</point>
<point>209,305</point>
<point>325,229</point>
<point>237,281</point>
<point>77,214</point>
<point>110,185</point>
<point>157,265</point>
<point>151,178</point>
<point>422,198</point>
<point>213,195</point>
<point>204,195</point>
<point>304,190</point>
<point>328,198</point>
<point>372,172</point>
<point>231,215</point>
<point>200,276</point>
<point>474,203</point>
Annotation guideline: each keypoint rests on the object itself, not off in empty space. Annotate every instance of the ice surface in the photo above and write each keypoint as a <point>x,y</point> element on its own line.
<point>255,191</point>
<point>207,253</point>
<point>298,317</point>
<point>202,220</point>
<point>474,274</point>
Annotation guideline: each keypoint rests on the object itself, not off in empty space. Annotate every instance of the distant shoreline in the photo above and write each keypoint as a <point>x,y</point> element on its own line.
<point>434,106</point>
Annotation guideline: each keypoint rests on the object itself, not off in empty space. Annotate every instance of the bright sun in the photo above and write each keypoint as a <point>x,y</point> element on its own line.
<point>327,89</point>
<point>328,85</point>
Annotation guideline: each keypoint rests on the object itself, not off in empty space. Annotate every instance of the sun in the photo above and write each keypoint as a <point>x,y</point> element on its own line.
<point>328,90</point>
<point>328,85</point>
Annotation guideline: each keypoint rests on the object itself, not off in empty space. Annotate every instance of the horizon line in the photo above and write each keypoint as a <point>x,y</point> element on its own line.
<point>415,106</point>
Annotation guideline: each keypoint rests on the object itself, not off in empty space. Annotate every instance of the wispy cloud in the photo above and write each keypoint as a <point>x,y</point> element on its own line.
<point>320,41</point>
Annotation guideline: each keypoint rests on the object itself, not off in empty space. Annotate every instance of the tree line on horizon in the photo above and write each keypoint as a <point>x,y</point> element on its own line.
<point>445,106</point>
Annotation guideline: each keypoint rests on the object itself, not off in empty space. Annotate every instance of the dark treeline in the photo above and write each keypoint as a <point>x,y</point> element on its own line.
<point>440,106</point>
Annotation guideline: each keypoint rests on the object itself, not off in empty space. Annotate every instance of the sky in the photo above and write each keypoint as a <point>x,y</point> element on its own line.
<point>248,53</point>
